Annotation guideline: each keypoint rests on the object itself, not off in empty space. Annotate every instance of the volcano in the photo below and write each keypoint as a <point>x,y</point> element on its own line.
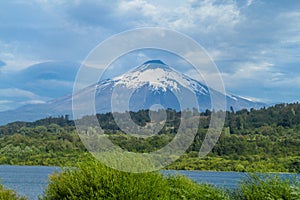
<point>152,83</point>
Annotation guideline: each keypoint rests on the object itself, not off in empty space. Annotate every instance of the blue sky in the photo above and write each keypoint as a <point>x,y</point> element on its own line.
<point>255,44</point>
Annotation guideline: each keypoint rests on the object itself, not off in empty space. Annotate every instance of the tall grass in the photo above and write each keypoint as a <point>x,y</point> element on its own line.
<point>267,187</point>
<point>7,194</point>
<point>92,180</point>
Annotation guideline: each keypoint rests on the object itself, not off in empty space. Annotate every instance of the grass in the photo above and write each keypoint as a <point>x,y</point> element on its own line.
<point>7,194</point>
<point>267,187</point>
<point>93,180</point>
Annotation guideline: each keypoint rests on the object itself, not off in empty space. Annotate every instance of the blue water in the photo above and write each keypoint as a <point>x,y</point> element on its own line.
<point>30,181</point>
<point>220,179</point>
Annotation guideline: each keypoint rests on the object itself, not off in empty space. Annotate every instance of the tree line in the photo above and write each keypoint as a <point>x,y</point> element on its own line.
<point>266,139</point>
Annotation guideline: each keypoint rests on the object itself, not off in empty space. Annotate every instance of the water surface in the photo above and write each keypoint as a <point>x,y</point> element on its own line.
<point>30,181</point>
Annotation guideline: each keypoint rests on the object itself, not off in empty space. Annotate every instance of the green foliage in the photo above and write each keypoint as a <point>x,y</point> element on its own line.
<point>269,187</point>
<point>184,188</point>
<point>93,180</point>
<point>41,145</point>
<point>265,140</point>
<point>239,164</point>
<point>7,194</point>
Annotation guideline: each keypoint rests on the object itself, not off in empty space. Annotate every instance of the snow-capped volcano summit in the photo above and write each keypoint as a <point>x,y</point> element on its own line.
<point>153,82</point>
<point>158,76</point>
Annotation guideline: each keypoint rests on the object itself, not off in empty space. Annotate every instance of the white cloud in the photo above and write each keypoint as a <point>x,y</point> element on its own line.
<point>141,6</point>
<point>5,105</point>
<point>18,64</point>
<point>244,37</point>
<point>55,83</point>
<point>252,69</point>
<point>15,92</point>
<point>249,2</point>
<point>12,98</point>
<point>10,53</point>
<point>245,72</point>
<point>33,102</point>
<point>5,102</point>
<point>202,16</point>
<point>284,81</point>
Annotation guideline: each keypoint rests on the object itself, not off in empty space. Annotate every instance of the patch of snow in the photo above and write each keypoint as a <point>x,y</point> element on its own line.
<point>249,99</point>
<point>232,97</point>
<point>158,76</point>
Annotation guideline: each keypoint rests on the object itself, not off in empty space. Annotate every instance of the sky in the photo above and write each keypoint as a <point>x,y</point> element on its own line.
<point>254,43</point>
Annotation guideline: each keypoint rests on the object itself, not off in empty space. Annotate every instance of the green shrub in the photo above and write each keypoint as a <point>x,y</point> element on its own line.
<point>7,194</point>
<point>92,180</point>
<point>184,188</point>
<point>260,187</point>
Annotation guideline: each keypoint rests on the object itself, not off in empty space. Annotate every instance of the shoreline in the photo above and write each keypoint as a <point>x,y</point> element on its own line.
<point>183,170</point>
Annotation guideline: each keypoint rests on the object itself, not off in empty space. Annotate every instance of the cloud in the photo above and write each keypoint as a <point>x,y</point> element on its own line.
<point>250,74</point>
<point>5,105</point>
<point>69,30</point>
<point>262,80</point>
<point>33,102</point>
<point>37,83</point>
<point>251,70</point>
<point>46,79</point>
<point>209,16</point>
<point>206,16</point>
<point>255,44</point>
<point>11,98</point>
<point>191,17</point>
<point>17,93</point>
<point>249,2</point>
<point>39,31</point>
<point>5,102</point>
<point>92,13</point>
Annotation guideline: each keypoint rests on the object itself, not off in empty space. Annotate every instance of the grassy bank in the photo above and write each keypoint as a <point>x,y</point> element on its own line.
<point>92,180</point>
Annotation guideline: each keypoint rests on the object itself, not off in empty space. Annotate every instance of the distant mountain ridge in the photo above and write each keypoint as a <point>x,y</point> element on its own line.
<point>153,82</point>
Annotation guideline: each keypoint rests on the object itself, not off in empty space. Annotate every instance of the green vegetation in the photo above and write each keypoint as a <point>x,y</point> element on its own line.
<point>92,180</point>
<point>41,145</point>
<point>265,140</point>
<point>7,194</point>
<point>267,187</point>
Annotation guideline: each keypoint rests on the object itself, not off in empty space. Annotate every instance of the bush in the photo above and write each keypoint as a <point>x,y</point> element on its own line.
<point>93,180</point>
<point>181,187</point>
<point>7,194</point>
<point>267,187</point>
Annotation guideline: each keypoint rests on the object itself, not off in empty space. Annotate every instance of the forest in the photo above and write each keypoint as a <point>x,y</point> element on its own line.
<point>264,140</point>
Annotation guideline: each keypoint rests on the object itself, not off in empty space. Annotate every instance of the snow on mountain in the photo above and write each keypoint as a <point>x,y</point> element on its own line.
<point>158,76</point>
<point>153,82</point>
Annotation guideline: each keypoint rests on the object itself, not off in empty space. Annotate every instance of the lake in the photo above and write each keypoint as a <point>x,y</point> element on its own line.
<point>30,181</point>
